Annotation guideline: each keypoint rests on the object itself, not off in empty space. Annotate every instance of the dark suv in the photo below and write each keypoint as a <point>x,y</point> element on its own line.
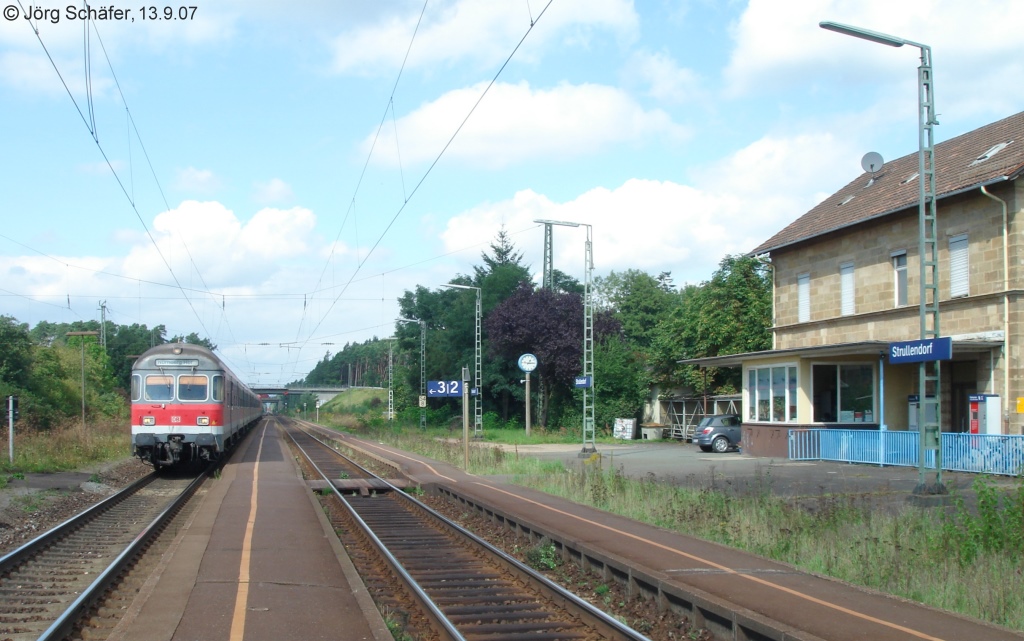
<point>720,433</point>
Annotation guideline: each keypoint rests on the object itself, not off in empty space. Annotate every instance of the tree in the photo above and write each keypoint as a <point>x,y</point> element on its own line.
<point>15,353</point>
<point>730,314</point>
<point>638,300</point>
<point>546,323</point>
<point>194,339</point>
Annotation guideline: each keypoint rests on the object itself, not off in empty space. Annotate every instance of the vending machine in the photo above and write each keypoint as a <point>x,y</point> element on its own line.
<point>984,414</point>
<point>913,402</point>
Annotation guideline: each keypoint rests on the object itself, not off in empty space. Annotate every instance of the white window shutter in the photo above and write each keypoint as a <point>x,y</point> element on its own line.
<point>846,281</point>
<point>803,287</point>
<point>958,267</point>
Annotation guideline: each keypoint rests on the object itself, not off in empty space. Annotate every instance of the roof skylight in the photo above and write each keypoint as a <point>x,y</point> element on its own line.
<point>993,150</point>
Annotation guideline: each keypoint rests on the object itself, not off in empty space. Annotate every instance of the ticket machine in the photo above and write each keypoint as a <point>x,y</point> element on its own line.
<point>984,414</point>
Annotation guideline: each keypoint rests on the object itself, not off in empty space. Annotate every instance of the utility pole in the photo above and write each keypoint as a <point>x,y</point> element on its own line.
<point>103,324</point>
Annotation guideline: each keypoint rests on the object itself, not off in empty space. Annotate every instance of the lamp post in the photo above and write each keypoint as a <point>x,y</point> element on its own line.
<point>423,368</point>
<point>589,442</point>
<point>929,375</point>
<point>478,411</point>
<point>83,335</point>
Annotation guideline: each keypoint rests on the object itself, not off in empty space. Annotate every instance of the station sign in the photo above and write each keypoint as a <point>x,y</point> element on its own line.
<point>444,389</point>
<point>919,351</point>
<point>584,381</point>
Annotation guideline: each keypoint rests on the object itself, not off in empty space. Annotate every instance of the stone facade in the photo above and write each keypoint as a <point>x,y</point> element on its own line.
<point>871,246</point>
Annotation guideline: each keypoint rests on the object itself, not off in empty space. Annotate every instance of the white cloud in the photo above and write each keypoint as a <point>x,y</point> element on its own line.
<point>191,179</point>
<point>663,78</point>
<point>515,123</point>
<point>481,32</point>
<point>731,207</point>
<point>273,191</point>
<point>776,50</point>
<point>207,238</point>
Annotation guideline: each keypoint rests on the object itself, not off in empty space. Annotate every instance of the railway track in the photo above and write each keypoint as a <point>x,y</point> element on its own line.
<point>50,584</point>
<point>452,581</point>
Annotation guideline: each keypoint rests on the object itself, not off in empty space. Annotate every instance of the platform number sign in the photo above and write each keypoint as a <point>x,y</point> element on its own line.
<point>442,389</point>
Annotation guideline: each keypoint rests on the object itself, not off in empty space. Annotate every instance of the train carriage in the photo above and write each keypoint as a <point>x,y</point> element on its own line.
<point>187,406</point>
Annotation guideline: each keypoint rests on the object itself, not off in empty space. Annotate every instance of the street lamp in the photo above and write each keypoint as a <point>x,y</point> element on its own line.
<point>589,439</point>
<point>929,376</point>
<point>423,368</point>
<point>83,335</point>
<point>478,410</point>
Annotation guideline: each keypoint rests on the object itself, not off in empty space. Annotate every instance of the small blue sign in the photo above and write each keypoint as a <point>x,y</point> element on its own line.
<point>584,381</point>
<point>443,389</point>
<point>932,349</point>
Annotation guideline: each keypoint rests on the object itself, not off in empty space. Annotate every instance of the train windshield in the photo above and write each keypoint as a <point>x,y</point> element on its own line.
<point>159,388</point>
<point>192,388</point>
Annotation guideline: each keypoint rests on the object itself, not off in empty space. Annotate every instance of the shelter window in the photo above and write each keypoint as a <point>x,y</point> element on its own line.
<point>192,388</point>
<point>899,269</point>
<point>843,393</point>
<point>159,388</point>
<point>771,394</point>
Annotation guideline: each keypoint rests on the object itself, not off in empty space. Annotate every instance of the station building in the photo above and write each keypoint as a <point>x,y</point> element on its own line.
<point>846,284</point>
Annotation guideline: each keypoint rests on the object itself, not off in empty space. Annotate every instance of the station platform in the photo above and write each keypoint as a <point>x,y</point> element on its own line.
<point>734,593</point>
<point>258,561</point>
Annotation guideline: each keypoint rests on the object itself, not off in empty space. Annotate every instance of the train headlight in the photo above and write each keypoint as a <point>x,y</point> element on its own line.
<point>202,420</point>
<point>149,420</point>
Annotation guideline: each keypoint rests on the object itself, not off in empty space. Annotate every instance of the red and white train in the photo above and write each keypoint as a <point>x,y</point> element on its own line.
<point>187,406</point>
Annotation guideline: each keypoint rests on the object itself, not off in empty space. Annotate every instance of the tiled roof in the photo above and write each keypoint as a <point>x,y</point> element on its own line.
<point>891,191</point>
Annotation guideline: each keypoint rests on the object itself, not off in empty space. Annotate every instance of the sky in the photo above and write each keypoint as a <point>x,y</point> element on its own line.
<point>274,176</point>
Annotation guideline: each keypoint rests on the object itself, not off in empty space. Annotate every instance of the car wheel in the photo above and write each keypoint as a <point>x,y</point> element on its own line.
<point>705,448</point>
<point>720,444</point>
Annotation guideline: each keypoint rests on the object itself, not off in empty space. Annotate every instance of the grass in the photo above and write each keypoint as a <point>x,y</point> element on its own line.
<point>67,447</point>
<point>966,560</point>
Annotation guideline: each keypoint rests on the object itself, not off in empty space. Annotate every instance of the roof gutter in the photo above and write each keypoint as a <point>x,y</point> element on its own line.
<point>1006,308</point>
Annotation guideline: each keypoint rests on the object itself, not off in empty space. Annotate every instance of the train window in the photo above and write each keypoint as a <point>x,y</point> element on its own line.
<point>192,388</point>
<point>218,388</point>
<point>136,387</point>
<point>159,388</point>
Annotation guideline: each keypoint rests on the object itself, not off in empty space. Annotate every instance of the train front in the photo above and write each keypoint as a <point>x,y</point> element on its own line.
<point>177,405</point>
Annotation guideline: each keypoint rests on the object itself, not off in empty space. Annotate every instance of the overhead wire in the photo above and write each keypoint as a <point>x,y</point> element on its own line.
<point>437,159</point>
<point>90,124</point>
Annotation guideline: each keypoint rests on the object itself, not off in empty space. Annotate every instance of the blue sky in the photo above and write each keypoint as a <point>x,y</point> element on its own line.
<point>297,179</point>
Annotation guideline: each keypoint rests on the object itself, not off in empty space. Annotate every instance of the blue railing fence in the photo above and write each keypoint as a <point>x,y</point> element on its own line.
<point>981,453</point>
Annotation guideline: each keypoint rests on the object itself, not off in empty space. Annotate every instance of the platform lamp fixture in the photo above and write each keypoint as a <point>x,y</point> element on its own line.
<point>423,368</point>
<point>589,436</point>
<point>929,377</point>
<point>478,411</point>
<point>82,335</point>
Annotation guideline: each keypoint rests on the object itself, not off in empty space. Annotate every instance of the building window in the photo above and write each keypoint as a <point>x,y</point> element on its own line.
<point>846,284</point>
<point>958,266</point>
<point>803,294</point>
<point>771,394</point>
<point>899,270</point>
<point>843,393</point>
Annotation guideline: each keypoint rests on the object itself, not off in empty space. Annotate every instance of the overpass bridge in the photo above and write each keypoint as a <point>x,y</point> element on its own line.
<point>323,393</point>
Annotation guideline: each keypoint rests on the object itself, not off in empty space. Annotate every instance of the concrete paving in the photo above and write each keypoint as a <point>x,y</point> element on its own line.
<point>685,465</point>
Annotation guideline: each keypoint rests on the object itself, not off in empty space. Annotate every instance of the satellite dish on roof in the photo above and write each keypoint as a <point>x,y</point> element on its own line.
<point>872,162</point>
